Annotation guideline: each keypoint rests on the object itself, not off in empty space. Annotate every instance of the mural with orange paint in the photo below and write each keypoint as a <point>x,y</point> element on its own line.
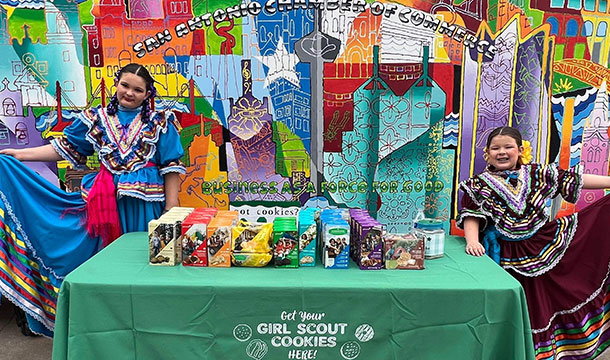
<point>375,104</point>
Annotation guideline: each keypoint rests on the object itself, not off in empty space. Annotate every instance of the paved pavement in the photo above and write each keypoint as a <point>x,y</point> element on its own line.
<point>16,346</point>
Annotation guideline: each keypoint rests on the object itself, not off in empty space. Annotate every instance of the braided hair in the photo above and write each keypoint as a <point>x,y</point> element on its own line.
<point>136,69</point>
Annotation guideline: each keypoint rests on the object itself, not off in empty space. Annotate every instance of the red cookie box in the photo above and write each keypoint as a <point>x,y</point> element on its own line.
<point>195,240</point>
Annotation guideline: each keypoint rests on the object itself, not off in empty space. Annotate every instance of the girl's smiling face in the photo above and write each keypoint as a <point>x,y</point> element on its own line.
<point>131,90</point>
<point>503,152</point>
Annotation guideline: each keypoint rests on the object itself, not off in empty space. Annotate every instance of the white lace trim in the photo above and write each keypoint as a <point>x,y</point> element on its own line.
<point>140,195</point>
<point>528,234</point>
<point>500,187</point>
<point>103,150</point>
<point>469,191</point>
<point>577,307</point>
<point>554,176</point>
<point>467,213</point>
<point>487,214</point>
<point>26,239</point>
<point>13,298</point>
<point>579,186</point>
<point>180,169</point>
<point>33,312</point>
<point>555,262</point>
<point>66,155</point>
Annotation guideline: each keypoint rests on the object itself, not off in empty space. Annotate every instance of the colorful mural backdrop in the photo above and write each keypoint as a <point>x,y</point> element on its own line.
<point>351,103</point>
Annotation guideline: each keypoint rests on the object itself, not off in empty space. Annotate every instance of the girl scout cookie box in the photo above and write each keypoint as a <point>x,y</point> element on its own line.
<point>252,244</point>
<point>403,251</point>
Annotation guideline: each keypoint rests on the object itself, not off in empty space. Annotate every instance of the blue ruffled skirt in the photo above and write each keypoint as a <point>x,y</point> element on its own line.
<point>42,238</point>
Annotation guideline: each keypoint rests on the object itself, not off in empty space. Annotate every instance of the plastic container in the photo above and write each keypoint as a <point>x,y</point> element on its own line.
<point>434,237</point>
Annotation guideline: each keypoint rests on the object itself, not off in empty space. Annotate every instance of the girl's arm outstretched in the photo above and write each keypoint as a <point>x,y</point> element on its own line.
<point>39,153</point>
<point>590,181</point>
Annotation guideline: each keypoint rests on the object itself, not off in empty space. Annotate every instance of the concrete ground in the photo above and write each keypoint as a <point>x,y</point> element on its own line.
<point>16,346</point>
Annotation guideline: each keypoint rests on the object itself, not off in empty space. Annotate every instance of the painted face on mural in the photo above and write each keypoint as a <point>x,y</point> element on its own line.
<point>504,152</point>
<point>131,90</point>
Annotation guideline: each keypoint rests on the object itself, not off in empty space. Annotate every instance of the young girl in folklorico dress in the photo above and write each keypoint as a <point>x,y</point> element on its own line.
<point>45,232</point>
<point>562,264</point>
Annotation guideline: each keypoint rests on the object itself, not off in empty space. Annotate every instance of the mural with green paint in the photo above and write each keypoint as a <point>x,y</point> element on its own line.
<point>351,93</point>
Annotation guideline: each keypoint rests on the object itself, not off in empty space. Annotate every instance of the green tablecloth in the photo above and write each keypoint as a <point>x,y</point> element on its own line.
<point>116,306</point>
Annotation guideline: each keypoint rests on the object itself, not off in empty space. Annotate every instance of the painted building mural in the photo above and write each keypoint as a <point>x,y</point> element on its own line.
<point>350,103</point>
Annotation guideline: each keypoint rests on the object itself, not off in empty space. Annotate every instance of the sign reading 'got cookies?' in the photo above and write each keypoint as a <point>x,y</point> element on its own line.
<point>303,335</point>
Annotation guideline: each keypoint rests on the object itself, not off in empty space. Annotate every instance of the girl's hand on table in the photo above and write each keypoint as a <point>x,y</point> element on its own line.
<point>475,249</point>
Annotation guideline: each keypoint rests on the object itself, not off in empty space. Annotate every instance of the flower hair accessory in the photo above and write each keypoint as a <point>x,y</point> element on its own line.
<point>526,155</point>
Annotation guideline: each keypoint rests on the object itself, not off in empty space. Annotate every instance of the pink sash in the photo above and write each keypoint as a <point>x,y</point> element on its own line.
<point>102,212</point>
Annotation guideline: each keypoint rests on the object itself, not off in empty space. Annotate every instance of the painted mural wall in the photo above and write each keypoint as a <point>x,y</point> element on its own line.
<point>349,103</point>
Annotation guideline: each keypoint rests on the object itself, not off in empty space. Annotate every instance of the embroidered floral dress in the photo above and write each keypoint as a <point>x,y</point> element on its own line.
<point>562,264</point>
<point>43,233</point>
<point>137,154</point>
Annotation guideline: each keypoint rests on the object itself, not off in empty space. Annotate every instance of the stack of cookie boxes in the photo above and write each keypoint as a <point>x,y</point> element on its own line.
<point>192,237</point>
<point>334,234</point>
<point>365,240</point>
<point>285,242</point>
<point>165,237</point>
<point>195,237</point>
<point>217,238</point>
<point>307,237</point>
